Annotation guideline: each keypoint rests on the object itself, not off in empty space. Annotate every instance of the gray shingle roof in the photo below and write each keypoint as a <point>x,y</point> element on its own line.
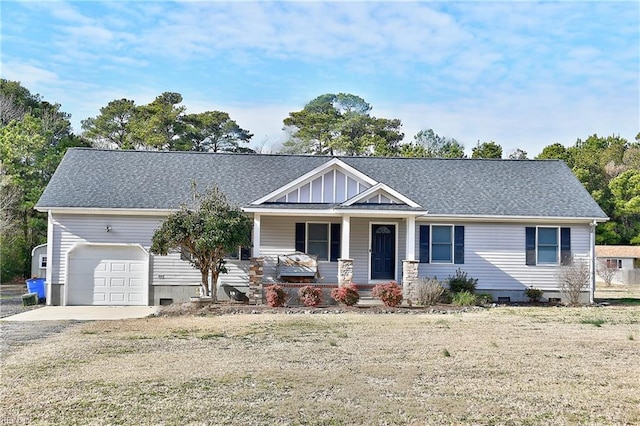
<point>90,178</point>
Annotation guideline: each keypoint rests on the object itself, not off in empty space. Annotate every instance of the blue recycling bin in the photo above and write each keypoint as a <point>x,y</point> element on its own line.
<point>36,285</point>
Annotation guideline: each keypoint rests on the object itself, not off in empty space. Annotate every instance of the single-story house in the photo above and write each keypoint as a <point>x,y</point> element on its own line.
<point>509,223</point>
<point>624,259</point>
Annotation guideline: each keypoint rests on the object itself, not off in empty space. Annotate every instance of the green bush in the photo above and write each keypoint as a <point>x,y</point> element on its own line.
<point>534,294</point>
<point>460,282</point>
<point>464,298</point>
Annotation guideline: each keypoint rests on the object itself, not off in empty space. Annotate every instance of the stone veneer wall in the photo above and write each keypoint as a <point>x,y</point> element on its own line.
<point>345,272</point>
<point>256,272</point>
<point>410,279</point>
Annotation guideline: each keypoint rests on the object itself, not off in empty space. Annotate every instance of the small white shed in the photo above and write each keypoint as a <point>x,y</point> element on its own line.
<point>39,261</point>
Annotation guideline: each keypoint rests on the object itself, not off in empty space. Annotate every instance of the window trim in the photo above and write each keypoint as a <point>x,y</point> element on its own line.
<point>42,259</point>
<point>617,261</point>
<point>451,244</point>
<point>328,241</point>
<point>557,245</point>
<point>332,245</point>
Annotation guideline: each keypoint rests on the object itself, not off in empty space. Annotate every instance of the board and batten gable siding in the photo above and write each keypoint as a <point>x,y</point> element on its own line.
<point>495,254</point>
<point>71,229</point>
<point>277,237</point>
<point>360,246</point>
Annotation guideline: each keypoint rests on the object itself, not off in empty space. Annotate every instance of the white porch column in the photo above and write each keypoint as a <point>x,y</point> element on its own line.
<point>255,250</point>
<point>345,237</point>
<point>49,271</point>
<point>411,239</point>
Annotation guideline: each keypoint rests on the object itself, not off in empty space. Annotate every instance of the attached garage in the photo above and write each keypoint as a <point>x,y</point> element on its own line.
<point>100,274</point>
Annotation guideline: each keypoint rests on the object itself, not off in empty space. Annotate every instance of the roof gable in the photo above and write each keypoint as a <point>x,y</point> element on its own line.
<point>380,194</point>
<point>333,182</point>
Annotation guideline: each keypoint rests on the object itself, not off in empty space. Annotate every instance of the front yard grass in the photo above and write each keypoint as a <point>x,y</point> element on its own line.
<point>497,366</point>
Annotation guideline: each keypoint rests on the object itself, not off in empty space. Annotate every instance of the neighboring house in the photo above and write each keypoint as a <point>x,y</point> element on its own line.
<point>624,259</point>
<point>39,261</point>
<point>508,223</point>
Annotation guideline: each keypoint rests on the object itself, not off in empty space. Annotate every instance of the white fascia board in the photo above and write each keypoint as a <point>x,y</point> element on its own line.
<point>335,162</point>
<point>519,219</point>
<point>105,211</point>
<point>334,212</point>
<point>380,187</point>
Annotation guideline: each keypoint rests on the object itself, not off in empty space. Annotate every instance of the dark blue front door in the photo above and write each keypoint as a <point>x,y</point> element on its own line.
<point>383,252</point>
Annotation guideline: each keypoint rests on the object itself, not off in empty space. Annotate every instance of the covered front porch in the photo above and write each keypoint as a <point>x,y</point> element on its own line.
<point>358,249</point>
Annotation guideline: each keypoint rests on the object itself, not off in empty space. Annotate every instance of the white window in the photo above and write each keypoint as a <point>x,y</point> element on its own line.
<point>43,261</point>
<point>318,240</point>
<point>442,244</point>
<point>614,263</point>
<point>548,245</point>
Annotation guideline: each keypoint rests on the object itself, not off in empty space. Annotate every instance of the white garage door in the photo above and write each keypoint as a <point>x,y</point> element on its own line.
<point>107,275</point>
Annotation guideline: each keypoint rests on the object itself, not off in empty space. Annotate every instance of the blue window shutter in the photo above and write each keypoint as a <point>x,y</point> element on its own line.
<point>424,243</point>
<point>530,245</point>
<point>565,246</point>
<point>301,229</point>
<point>335,242</point>
<point>458,244</point>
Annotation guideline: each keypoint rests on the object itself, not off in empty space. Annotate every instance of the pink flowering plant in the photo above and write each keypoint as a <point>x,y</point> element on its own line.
<point>276,296</point>
<point>346,295</point>
<point>390,293</point>
<point>310,296</point>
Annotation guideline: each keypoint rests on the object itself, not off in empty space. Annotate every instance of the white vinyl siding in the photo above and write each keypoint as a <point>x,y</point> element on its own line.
<point>277,237</point>
<point>70,230</point>
<point>495,254</point>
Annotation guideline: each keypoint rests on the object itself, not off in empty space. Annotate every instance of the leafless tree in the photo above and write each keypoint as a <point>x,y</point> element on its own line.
<point>574,279</point>
<point>607,271</point>
<point>9,109</point>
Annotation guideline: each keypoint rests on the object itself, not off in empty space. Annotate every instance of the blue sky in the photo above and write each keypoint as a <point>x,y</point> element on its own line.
<point>522,74</point>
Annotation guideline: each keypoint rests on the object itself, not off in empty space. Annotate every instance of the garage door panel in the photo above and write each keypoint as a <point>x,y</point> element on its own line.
<point>101,275</point>
<point>116,282</point>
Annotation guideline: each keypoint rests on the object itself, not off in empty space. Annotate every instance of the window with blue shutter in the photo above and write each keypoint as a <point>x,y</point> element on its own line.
<point>441,244</point>
<point>458,248</point>
<point>565,246</point>
<point>424,243</point>
<point>320,239</point>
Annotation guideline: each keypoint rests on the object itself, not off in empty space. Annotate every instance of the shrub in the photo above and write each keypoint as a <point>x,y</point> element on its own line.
<point>464,298</point>
<point>310,296</point>
<point>276,295</point>
<point>429,291</point>
<point>346,294</point>
<point>460,282</point>
<point>390,293</point>
<point>484,299</point>
<point>534,294</point>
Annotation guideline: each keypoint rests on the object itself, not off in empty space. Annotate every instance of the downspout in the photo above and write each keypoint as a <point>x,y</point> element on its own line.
<point>592,260</point>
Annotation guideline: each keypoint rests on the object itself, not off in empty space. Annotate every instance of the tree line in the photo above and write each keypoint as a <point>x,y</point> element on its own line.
<point>34,135</point>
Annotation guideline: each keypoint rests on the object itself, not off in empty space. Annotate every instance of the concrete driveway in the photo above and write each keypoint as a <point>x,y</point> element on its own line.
<point>84,313</point>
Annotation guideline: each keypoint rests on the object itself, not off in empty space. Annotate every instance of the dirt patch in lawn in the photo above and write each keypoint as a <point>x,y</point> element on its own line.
<point>498,366</point>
